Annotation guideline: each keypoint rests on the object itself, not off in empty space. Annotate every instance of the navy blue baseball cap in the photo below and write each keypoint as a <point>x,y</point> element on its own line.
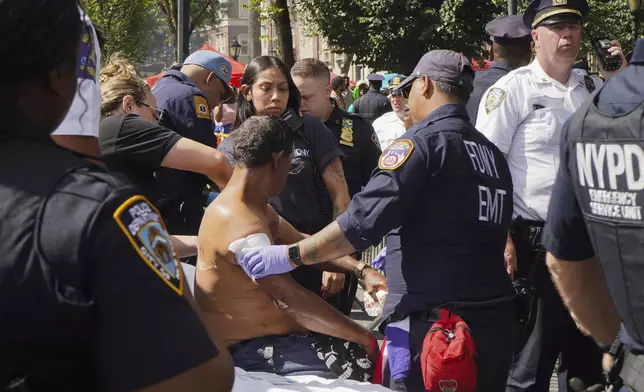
<point>508,29</point>
<point>215,63</point>
<point>444,66</point>
<point>548,12</point>
<point>375,77</point>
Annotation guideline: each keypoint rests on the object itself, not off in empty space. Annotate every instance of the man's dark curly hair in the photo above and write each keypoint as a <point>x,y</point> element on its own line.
<point>258,138</point>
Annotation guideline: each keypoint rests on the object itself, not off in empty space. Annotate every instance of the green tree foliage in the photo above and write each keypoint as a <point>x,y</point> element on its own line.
<point>126,25</point>
<point>609,19</point>
<point>203,13</point>
<point>393,35</point>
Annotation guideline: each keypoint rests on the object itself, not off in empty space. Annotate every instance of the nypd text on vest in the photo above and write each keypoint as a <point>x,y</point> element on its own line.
<point>613,174</point>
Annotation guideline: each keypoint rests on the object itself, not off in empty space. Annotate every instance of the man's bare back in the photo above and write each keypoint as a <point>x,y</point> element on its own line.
<point>234,305</point>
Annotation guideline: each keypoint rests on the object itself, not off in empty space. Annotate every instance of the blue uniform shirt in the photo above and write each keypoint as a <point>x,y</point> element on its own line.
<point>566,235</point>
<point>445,193</point>
<point>185,108</point>
<point>185,111</point>
<point>482,82</point>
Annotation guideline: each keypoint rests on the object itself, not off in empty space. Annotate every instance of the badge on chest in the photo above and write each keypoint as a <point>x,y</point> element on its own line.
<point>346,135</point>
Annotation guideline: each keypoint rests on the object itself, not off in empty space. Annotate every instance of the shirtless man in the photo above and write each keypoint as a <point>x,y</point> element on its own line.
<point>265,323</point>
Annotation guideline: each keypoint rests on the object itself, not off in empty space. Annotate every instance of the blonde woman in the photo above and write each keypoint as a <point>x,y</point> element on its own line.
<point>133,143</point>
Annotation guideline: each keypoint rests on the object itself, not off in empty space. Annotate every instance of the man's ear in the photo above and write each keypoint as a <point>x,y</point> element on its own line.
<point>428,86</point>
<point>245,90</point>
<point>328,90</point>
<point>277,159</point>
<point>535,38</point>
<point>57,81</point>
<point>127,104</point>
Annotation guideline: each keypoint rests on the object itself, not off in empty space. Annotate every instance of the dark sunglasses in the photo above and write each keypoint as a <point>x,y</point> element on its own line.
<point>158,113</point>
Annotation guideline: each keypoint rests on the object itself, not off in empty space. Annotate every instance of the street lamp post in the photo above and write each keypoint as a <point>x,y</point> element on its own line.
<point>234,49</point>
<point>636,7</point>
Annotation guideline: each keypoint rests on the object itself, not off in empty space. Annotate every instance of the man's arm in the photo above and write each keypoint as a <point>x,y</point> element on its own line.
<point>311,312</point>
<point>584,292</point>
<point>192,156</point>
<point>383,205</point>
<point>333,177</point>
<point>184,245</point>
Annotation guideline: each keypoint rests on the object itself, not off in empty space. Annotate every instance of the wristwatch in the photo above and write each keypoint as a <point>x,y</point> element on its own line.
<point>294,255</point>
<point>360,269</point>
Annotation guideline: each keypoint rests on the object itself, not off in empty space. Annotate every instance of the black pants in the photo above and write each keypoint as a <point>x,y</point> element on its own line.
<point>493,331</point>
<point>554,335</point>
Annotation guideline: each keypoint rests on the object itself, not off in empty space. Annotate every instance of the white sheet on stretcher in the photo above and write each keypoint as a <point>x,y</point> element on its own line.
<point>268,382</point>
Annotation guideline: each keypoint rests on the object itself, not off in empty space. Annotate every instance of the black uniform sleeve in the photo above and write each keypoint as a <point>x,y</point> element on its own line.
<point>321,141</point>
<point>145,329</point>
<point>370,151</point>
<point>389,196</point>
<point>138,141</point>
<point>566,235</point>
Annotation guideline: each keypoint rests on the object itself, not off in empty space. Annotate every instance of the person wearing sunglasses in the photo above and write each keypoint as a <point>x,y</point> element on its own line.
<point>132,141</point>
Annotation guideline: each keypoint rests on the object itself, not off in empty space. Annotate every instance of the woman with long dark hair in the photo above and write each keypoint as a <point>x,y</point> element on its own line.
<point>315,192</point>
<point>92,296</point>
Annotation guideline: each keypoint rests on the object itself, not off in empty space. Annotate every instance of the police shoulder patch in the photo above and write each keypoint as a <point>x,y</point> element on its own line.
<point>494,98</point>
<point>141,222</point>
<point>201,107</point>
<point>396,154</point>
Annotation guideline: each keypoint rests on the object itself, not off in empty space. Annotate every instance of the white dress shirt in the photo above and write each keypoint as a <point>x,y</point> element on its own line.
<point>388,128</point>
<point>523,114</point>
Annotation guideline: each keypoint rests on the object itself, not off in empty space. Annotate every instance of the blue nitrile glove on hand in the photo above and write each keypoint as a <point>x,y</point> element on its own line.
<point>269,260</point>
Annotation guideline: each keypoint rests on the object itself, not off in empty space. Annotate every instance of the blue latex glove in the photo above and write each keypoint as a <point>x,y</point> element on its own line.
<point>379,261</point>
<point>269,260</point>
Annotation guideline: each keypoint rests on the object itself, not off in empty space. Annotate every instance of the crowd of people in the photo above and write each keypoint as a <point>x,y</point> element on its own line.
<point>507,200</point>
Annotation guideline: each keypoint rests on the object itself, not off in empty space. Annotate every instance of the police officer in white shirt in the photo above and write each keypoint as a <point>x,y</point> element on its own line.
<point>390,126</point>
<point>79,129</point>
<point>523,114</point>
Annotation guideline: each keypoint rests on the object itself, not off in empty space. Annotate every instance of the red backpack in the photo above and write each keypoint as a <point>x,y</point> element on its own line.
<point>448,354</point>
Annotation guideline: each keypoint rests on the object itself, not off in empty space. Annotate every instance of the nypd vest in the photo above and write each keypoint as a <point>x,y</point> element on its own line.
<point>46,322</point>
<point>606,159</point>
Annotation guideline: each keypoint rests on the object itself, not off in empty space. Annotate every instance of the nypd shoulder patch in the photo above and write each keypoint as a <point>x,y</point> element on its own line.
<point>396,154</point>
<point>141,222</point>
<point>494,98</point>
<point>201,107</point>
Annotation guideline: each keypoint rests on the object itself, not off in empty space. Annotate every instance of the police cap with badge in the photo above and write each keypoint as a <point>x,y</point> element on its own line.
<point>375,77</point>
<point>549,12</point>
<point>508,30</point>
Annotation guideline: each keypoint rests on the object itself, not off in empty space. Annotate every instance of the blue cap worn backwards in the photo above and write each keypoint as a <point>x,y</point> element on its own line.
<point>444,66</point>
<point>215,63</point>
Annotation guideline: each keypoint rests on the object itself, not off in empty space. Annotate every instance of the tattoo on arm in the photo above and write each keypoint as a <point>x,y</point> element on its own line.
<point>328,244</point>
<point>336,175</point>
<point>337,171</point>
